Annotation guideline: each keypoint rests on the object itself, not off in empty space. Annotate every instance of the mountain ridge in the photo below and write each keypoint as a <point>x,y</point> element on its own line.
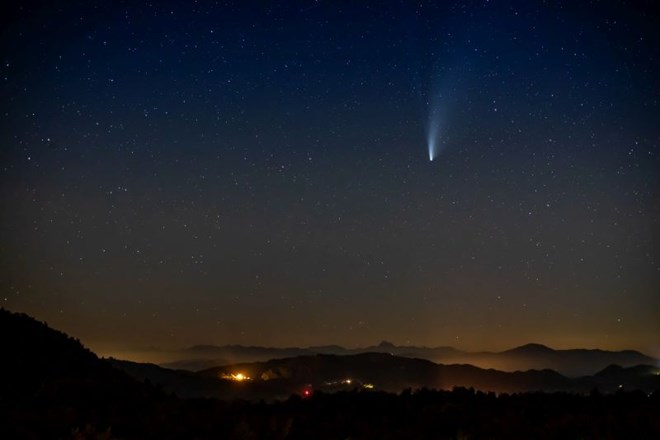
<point>54,387</point>
<point>382,371</point>
<point>572,362</point>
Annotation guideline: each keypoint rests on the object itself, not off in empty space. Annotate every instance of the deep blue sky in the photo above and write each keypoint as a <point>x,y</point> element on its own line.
<point>193,172</point>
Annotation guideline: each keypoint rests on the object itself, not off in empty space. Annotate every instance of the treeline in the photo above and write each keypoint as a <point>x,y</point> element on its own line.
<point>458,414</point>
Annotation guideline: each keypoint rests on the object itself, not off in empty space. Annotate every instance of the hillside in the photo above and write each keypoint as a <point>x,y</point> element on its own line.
<point>51,384</point>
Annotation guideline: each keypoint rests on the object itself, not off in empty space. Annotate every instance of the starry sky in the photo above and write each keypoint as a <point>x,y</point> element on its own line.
<point>177,173</point>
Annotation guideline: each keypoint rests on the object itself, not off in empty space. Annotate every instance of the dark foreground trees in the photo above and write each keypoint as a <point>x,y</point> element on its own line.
<point>357,415</point>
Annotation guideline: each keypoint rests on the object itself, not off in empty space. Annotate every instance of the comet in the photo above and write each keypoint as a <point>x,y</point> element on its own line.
<point>433,132</point>
<point>432,139</point>
<point>444,96</point>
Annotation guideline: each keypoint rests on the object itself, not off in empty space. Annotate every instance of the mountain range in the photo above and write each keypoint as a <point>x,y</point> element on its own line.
<point>50,361</point>
<point>279,378</point>
<point>572,362</point>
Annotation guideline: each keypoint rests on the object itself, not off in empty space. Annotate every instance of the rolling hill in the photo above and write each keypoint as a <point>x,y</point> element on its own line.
<point>53,387</point>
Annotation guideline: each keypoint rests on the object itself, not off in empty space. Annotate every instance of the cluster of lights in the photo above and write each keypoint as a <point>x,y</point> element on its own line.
<point>307,392</point>
<point>349,381</point>
<point>236,377</point>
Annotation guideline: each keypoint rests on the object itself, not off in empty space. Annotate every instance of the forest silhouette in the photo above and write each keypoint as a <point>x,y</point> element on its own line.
<point>53,387</point>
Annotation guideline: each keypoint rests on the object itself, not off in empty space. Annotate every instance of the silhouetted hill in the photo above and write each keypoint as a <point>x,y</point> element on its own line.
<point>394,373</point>
<point>278,378</point>
<point>52,384</point>
<point>183,383</point>
<point>39,359</point>
<point>615,377</point>
<point>573,362</point>
<point>529,349</point>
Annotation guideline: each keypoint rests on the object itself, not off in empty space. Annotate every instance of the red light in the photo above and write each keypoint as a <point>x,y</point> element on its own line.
<point>306,393</point>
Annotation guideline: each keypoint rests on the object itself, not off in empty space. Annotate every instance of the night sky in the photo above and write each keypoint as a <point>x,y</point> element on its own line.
<point>179,173</point>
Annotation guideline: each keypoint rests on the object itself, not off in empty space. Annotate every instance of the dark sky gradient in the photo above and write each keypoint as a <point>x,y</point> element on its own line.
<point>190,172</point>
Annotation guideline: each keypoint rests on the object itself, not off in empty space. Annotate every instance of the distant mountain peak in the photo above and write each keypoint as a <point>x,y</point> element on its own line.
<point>610,369</point>
<point>532,348</point>
<point>386,344</point>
